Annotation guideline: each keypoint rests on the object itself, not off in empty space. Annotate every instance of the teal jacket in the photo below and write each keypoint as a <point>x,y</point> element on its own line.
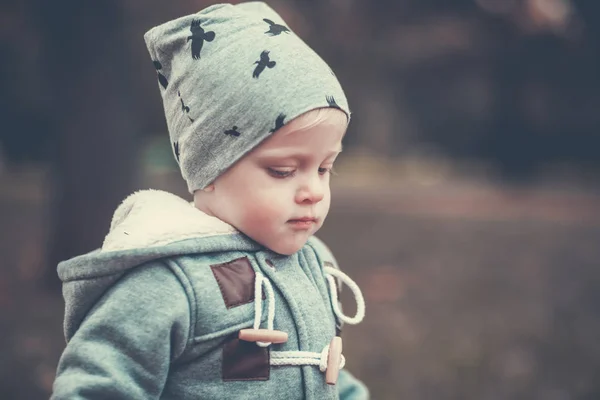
<point>155,313</point>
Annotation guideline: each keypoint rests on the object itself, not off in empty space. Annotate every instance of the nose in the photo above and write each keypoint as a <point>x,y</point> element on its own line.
<point>311,191</point>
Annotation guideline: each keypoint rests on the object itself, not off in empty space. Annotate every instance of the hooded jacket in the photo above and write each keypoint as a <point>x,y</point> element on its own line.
<point>155,313</point>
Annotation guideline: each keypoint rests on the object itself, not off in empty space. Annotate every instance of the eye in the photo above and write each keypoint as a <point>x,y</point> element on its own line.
<point>280,173</point>
<point>329,170</point>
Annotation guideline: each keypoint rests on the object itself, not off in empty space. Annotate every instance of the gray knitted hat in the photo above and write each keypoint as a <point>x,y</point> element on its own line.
<point>230,76</point>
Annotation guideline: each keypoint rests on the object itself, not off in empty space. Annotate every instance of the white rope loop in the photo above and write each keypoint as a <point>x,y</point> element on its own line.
<point>304,358</point>
<point>319,359</point>
<point>259,282</point>
<point>271,308</point>
<point>258,278</point>
<point>330,273</point>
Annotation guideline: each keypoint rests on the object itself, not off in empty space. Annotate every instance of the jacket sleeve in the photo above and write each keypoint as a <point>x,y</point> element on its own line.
<point>351,388</point>
<point>125,345</point>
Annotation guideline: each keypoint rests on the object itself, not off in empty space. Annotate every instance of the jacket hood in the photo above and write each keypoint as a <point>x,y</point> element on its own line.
<point>148,225</point>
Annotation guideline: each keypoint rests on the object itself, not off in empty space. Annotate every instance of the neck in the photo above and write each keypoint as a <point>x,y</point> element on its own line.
<point>201,203</point>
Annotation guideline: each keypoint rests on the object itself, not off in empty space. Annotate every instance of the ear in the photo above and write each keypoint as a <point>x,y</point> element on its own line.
<point>209,188</point>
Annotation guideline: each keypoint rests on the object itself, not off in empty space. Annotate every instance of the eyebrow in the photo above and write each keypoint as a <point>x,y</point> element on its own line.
<point>297,155</point>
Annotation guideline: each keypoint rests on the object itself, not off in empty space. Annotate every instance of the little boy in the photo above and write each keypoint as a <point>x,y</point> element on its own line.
<point>231,297</point>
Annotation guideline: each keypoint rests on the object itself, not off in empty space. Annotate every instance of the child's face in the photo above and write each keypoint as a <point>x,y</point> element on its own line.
<point>284,179</point>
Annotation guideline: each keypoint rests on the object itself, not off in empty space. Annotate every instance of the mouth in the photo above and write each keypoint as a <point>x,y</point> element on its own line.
<point>303,223</point>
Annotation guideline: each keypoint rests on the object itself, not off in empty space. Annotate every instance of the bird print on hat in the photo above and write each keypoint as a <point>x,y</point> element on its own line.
<point>264,62</point>
<point>233,131</point>
<point>184,108</point>
<point>198,37</point>
<point>161,78</point>
<point>176,150</point>
<point>278,123</point>
<point>332,103</point>
<point>275,29</point>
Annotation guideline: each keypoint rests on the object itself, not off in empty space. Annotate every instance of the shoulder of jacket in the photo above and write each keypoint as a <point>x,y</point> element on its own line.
<point>324,253</point>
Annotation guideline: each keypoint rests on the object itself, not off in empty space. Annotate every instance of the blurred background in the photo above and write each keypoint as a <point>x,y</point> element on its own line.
<point>466,205</point>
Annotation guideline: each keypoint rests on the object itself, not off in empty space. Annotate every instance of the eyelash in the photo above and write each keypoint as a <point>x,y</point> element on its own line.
<point>286,174</point>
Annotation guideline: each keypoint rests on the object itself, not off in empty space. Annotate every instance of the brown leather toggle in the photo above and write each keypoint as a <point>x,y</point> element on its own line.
<point>333,361</point>
<point>263,335</point>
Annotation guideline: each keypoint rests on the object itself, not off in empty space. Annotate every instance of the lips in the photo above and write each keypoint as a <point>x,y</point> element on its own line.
<point>303,223</point>
<point>304,219</point>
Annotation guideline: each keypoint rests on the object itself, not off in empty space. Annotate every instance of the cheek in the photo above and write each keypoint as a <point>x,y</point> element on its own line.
<point>261,209</point>
<point>326,200</point>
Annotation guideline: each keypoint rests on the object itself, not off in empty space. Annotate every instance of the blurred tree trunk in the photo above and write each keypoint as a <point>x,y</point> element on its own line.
<point>87,76</point>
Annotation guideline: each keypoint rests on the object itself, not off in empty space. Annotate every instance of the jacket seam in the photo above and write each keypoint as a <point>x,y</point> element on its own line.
<point>173,264</point>
<point>322,263</point>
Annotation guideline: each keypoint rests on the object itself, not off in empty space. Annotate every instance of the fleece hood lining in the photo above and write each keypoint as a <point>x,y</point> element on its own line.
<point>151,218</point>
